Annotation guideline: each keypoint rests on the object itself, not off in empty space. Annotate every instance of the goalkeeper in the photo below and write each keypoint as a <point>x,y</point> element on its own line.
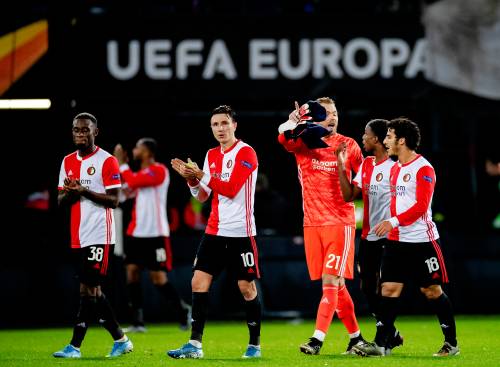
<point>329,224</point>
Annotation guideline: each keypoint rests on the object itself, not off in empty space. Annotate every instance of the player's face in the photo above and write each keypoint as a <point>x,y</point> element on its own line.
<point>369,139</point>
<point>332,119</point>
<point>84,133</point>
<point>223,128</point>
<point>391,142</point>
<point>140,151</point>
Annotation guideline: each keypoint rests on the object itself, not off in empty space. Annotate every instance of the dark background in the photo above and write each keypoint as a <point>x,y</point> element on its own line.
<point>459,131</point>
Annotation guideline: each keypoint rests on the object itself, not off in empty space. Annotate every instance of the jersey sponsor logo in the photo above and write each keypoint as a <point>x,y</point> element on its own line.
<point>406,177</point>
<point>229,163</point>
<point>329,166</point>
<point>212,166</point>
<point>379,177</point>
<point>428,179</point>
<point>246,164</point>
<point>91,170</point>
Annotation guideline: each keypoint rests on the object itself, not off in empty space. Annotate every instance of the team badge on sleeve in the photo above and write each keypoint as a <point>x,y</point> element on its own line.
<point>247,164</point>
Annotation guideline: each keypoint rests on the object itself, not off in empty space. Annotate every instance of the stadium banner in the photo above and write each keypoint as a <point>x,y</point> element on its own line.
<point>248,57</point>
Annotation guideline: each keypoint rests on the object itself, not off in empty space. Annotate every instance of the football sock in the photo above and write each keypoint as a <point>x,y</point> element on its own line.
<point>345,312</point>
<point>442,308</point>
<point>327,307</point>
<point>369,288</point>
<point>199,314</point>
<point>135,297</point>
<point>388,311</point>
<point>253,311</point>
<point>107,317</point>
<point>86,313</point>
<point>171,295</point>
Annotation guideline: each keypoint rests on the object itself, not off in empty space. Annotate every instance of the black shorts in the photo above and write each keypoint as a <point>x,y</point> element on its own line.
<point>370,257</point>
<point>153,253</point>
<point>421,262</point>
<point>92,263</point>
<point>238,255</point>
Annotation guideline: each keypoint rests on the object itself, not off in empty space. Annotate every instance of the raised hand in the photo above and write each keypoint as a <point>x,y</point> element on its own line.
<point>341,153</point>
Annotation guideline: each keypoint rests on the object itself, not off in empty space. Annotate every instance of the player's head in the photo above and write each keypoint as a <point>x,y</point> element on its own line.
<point>223,124</point>
<point>332,120</point>
<point>375,132</point>
<point>84,130</point>
<point>402,133</point>
<point>145,149</point>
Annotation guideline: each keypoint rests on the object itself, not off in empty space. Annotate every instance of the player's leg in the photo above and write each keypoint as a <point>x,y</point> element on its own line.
<point>369,261</point>
<point>244,264</point>
<point>342,242</point>
<point>394,272</point>
<point>320,264</point>
<point>134,262</point>
<point>101,256</point>
<point>432,276</point>
<point>346,314</point>
<point>87,308</point>
<point>134,290</point>
<point>207,264</point>
<point>159,265</point>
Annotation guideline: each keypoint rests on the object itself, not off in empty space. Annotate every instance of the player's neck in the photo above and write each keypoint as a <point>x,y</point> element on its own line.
<point>406,156</point>
<point>380,154</point>
<point>85,152</point>
<point>226,145</point>
<point>147,162</point>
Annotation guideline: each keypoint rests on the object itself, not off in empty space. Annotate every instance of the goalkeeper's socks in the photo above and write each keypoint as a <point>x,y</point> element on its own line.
<point>199,314</point>
<point>327,307</point>
<point>442,308</point>
<point>86,313</point>
<point>253,310</point>
<point>345,312</point>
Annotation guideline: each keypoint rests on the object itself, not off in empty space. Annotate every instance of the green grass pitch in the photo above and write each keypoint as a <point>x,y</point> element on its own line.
<point>224,343</point>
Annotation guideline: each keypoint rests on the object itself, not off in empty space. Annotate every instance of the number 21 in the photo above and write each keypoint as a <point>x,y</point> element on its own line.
<point>332,258</point>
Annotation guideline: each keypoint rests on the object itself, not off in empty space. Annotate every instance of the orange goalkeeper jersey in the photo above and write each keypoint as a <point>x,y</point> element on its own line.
<point>317,169</point>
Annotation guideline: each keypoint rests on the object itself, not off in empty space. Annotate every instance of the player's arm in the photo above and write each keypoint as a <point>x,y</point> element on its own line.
<point>153,177</point>
<point>112,185</point>
<point>349,190</point>
<point>426,180</point>
<point>66,196</point>
<point>285,130</point>
<point>245,163</point>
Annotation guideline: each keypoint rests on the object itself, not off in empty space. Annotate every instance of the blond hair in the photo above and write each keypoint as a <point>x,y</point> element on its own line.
<point>326,100</point>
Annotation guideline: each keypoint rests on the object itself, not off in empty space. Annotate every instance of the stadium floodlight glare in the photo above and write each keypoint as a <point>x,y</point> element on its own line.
<point>25,104</point>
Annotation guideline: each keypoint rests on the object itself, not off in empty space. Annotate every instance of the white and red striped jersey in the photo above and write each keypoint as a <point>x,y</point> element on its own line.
<point>150,188</point>
<point>412,187</point>
<point>91,223</point>
<point>373,180</point>
<point>231,175</point>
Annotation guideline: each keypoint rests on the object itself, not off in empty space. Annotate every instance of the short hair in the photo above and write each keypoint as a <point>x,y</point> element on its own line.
<point>406,128</point>
<point>149,143</point>
<point>379,128</point>
<point>86,116</point>
<point>325,100</point>
<point>225,109</point>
